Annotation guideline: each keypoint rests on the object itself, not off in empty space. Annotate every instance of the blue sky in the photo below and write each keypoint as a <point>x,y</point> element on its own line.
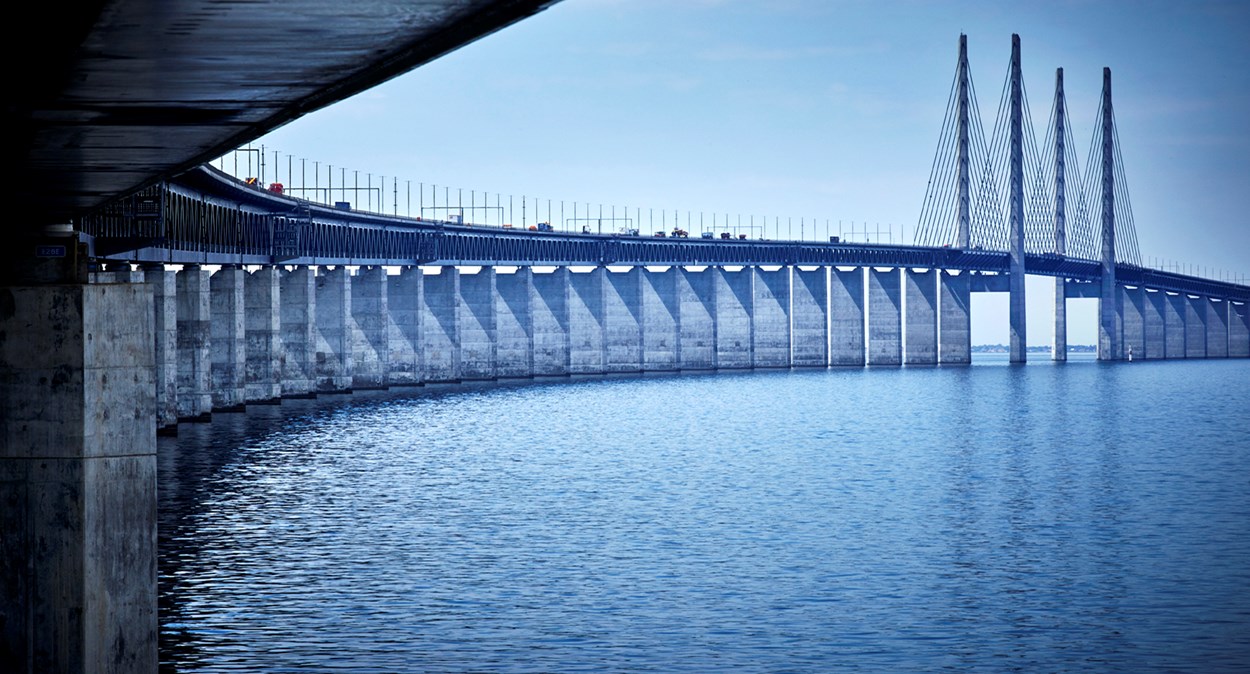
<point>821,111</point>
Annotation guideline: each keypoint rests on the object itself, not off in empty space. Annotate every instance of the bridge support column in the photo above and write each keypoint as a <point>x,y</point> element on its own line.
<point>846,317</point>
<point>587,344</point>
<point>165,329</point>
<point>1154,327</point>
<point>334,344</point>
<point>734,307</point>
<point>1217,328</point>
<point>921,346</point>
<point>809,316</point>
<point>228,339</point>
<point>263,327</point>
<point>696,299</point>
<point>770,317</point>
<point>77,479</point>
<point>514,323</point>
<point>1133,318</point>
<point>404,301</point>
<point>441,336</point>
<point>1174,331</point>
<point>298,316</point>
<point>195,391</point>
<point>955,326</point>
<point>1195,327</point>
<point>1238,330</point>
<point>622,310</point>
<point>549,306</point>
<point>478,331</point>
<point>885,325</point>
<point>1060,349</point>
<point>661,321</point>
<point>370,329</point>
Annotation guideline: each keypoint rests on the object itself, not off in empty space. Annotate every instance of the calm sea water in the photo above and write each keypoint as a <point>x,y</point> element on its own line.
<point>1079,517</point>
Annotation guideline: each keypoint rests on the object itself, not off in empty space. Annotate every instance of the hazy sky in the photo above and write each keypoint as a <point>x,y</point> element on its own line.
<point>823,110</point>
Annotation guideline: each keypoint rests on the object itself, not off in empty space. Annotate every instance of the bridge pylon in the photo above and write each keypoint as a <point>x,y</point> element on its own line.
<point>1110,316</point>
<point>1060,349</point>
<point>1015,213</point>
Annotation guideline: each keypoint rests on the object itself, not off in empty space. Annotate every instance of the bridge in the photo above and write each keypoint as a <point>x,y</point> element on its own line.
<point>116,326</point>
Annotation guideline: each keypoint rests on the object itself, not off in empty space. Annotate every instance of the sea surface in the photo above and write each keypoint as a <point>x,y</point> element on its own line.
<point>1082,517</point>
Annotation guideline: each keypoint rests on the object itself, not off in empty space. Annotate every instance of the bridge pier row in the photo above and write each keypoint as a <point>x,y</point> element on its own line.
<point>78,479</point>
<point>696,302</point>
<point>1217,328</point>
<point>1154,326</point>
<point>955,319</point>
<point>514,324</point>
<point>1133,322</point>
<point>734,324</point>
<point>587,343</point>
<point>622,325</point>
<point>194,377</point>
<point>404,300</point>
<point>885,325</point>
<point>441,331</point>
<point>809,316</point>
<point>370,329</point>
<point>333,320</point>
<point>770,318</point>
<point>1238,330</point>
<point>921,337</point>
<point>478,331</point>
<point>549,318</point>
<point>1174,332</point>
<point>298,323</point>
<point>847,317</point>
<point>165,333</point>
<point>262,377</point>
<point>227,338</point>
<point>1195,327</point>
<point>661,320</point>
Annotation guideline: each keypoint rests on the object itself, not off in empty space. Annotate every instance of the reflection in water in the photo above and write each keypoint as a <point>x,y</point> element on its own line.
<point>1069,517</point>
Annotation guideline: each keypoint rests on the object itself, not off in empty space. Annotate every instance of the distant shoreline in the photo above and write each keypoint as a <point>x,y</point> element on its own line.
<point>999,348</point>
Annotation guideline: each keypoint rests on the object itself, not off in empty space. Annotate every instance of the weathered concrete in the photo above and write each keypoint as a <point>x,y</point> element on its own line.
<point>514,323</point>
<point>696,301</point>
<point>921,345</point>
<point>1133,319</point>
<point>298,316</point>
<point>404,302</point>
<point>1195,327</point>
<point>1174,325</point>
<point>1059,348</point>
<point>370,329</point>
<point>885,330</point>
<point>770,317</point>
<point>661,318</point>
<point>194,376</point>
<point>955,326</point>
<point>228,339</point>
<point>587,348</point>
<point>77,479</point>
<point>1110,318</point>
<point>622,315</point>
<point>262,378</point>
<point>441,326</point>
<point>809,316</point>
<point>1217,329</point>
<point>1238,330</point>
<point>846,317</point>
<point>478,334</point>
<point>1156,333</point>
<point>165,330</point>
<point>549,314</point>
<point>334,345</point>
<point>734,325</point>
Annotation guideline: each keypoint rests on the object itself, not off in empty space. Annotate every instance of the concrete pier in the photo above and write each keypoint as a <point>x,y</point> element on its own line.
<point>262,378</point>
<point>1059,347</point>
<point>661,318</point>
<point>1154,326</point>
<point>734,325</point>
<point>1238,330</point>
<point>587,346</point>
<point>921,345</point>
<point>404,303</point>
<point>514,324</point>
<point>622,320</point>
<point>1132,306</point>
<point>846,317</point>
<point>194,378</point>
<point>298,318</point>
<point>809,316</point>
<point>165,331</point>
<point>227,339</point>
<point>885,325</point>
<point>955,324</point>
<point>696,299</point>
<point>370,329</point>
<point>1217,328</point>
<point>441,326</point>
<point>334,330</point>
<point>1174,325</point>
<point>1195,327</point>
<point>770,318</point>
<point>78,478</point>
<point>549,316</point>
<point>478,335</point>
